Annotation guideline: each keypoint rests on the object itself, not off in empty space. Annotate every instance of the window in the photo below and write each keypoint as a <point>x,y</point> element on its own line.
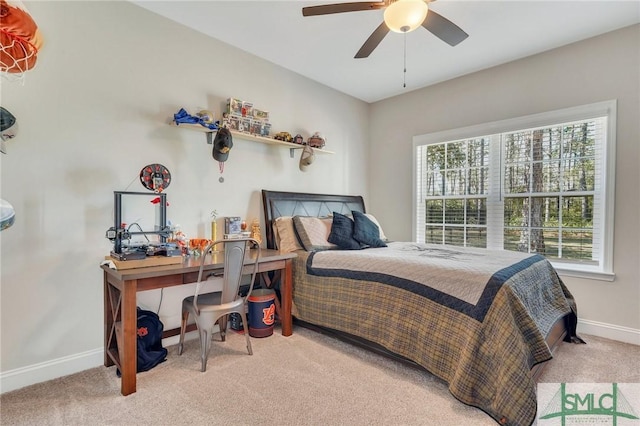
<point>455,179</point>
<point>538,184</point>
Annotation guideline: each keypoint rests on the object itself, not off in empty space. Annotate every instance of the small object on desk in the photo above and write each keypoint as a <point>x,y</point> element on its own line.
<point>232,225</point>
<point>109,263</point>
<point>130,253</point>
<point>214,225</point>
<point>180,238</point>
<point>256,233</point>
<point>197,246</point>
<point>237,235</point>
<point>142,263</point>
<point>163,249</point>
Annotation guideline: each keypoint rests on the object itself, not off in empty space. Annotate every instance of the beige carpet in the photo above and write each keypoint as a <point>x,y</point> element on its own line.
<point>305,379</point>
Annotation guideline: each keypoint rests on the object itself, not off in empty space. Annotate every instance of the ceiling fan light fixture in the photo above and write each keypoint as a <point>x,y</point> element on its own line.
<point>403,16</point>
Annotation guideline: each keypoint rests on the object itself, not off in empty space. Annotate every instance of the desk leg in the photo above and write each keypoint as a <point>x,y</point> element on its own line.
<point>286,293</point>
<point>128,351</point>
<point>108,322</point>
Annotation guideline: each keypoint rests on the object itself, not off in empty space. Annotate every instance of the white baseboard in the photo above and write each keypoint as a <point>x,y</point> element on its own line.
<point>609,331</point>
<point>25,376</point>
<point>49,370</point>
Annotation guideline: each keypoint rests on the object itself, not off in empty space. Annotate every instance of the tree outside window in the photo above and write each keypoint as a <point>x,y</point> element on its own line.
<point>537,190</point>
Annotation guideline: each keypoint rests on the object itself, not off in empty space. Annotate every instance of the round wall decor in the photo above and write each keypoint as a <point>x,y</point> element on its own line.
<point>155,177</point>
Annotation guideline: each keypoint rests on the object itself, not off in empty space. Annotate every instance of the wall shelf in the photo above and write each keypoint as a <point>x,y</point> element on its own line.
<point>249,137</point>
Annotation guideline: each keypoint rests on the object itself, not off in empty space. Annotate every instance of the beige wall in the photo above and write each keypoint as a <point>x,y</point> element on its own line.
<point>92,113</point>
<point>598,69</point>
<point>95,111</point>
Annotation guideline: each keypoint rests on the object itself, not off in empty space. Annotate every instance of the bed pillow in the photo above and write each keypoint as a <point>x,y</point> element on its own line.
<point>374,220</point>
<point>313,232</point>
<point>342,233</point>
<point>285,235</point>
<point>365,231</point>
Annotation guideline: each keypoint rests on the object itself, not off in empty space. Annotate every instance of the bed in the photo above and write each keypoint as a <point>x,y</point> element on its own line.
<point>469,316</point>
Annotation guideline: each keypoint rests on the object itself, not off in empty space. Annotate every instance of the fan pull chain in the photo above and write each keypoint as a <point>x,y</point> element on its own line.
<point>404,76</point>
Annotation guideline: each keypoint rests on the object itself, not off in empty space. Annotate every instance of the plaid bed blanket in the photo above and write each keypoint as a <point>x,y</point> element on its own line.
<point>475,318</point>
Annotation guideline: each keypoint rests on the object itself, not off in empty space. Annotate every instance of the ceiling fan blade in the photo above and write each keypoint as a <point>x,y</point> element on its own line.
<point>373,41</point>
<point>327,9</point>
<point>443,28</point>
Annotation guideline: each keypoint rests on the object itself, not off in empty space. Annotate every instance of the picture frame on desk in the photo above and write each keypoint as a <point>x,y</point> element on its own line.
<point>232,225</point>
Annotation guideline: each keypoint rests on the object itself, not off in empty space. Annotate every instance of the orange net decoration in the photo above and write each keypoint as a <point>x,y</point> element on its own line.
<point>20,39</point>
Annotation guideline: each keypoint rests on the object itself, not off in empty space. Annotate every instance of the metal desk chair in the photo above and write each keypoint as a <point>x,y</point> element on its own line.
<point>208,308</point>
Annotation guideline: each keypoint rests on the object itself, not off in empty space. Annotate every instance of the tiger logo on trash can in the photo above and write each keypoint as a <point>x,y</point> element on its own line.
<point>262,312</point>
<point>269,315</point>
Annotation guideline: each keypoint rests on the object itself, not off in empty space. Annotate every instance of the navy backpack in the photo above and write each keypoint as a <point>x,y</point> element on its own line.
<point>150,351</point>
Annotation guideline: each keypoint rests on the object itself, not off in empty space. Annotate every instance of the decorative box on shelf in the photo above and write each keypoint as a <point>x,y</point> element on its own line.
<point>241,116</point>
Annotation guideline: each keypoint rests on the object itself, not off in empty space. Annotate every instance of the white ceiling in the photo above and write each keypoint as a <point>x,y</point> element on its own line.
<point>322,47</point>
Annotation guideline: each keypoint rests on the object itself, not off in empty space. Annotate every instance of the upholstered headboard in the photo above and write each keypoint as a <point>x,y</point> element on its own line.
<point>277,204</point>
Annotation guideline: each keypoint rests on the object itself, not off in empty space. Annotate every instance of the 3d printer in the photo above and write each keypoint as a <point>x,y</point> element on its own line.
<point>121,235</point>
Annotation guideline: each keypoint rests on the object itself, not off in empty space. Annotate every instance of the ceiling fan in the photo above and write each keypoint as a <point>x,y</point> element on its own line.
<point>400,16</point>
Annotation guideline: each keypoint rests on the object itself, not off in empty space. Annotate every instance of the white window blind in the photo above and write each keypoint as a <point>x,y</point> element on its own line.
<point>455,183</point>
<point>538,184</point>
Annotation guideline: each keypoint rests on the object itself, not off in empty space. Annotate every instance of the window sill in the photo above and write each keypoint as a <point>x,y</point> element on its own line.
<point>586,274</point>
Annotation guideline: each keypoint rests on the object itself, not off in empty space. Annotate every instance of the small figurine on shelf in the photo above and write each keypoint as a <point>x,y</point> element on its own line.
<point>181,239</point>
<point>298,139</point>
<point>316,140</point>
<point>256,233</point>
<point>283,136</point>
<point>214,225</point>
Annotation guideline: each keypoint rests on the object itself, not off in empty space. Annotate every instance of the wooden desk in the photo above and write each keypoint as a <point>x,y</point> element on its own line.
<point>120,288</point>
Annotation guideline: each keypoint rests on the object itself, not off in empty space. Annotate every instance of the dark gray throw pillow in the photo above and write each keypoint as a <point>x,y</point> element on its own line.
<point>342,233</point>
<point>365,231</point>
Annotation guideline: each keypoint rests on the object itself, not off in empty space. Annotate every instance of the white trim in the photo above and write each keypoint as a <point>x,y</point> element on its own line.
<point>609,184</point>
<point>29,375</point>
<point>582,112</point>
<point>414,196</point>
<point>49,370</point>
<point>585,274</point>
<point>609,331</point>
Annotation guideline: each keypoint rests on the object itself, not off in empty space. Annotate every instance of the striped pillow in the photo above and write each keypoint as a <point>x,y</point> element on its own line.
<point>286,238</point>
<point>313,232</point>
